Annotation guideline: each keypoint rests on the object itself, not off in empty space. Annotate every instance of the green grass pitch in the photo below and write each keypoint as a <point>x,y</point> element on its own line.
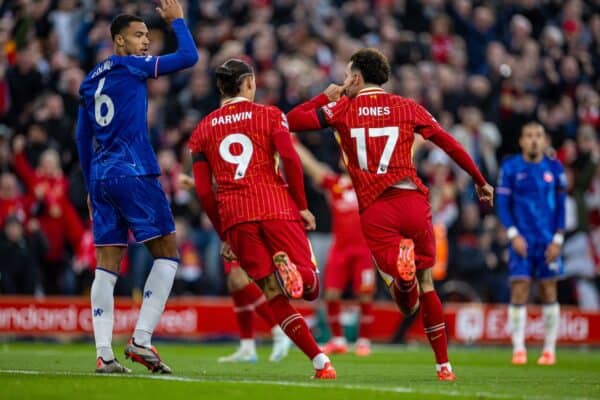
<point>65,371</point>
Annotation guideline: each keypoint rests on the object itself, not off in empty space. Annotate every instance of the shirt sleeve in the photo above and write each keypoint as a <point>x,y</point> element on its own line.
<point>185,56</point>
<point>504,196</point>
<point>332,112</point>
<point>560,196</point>
<point>84,143</point>
<point>291,162</point>
<point>194,144</point>
<point>425,123</point>
<point>304,116</point>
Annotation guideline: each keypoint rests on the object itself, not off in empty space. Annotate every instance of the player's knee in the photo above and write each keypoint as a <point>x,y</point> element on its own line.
<point>270,286</point>
<point>425,278</point>
<point>548,292</point>
<point>109,257</point>
<point>332,294</point>
<point>163,247</point>
<point>519,291</point>
<point>237,280</point>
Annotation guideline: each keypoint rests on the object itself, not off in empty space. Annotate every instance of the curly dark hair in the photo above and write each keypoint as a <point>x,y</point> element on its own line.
<point>230,75</point>
<point>372,64</point>
<point>121,22</point>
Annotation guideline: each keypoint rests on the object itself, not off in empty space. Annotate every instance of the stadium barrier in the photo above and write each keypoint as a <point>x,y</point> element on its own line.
<point>212,318</point>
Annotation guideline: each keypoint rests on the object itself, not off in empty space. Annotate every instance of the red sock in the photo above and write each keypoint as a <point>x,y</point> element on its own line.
<point>435,325</point>
<point>333,316</point>
<point>261,305</point>
<point>406,295</point>
<point>294,326</point>
<point>366,320</point>
<point>311,282</point>
<point>244,313</point>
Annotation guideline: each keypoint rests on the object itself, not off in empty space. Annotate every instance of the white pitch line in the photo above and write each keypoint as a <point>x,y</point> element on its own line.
<point>332,385</point>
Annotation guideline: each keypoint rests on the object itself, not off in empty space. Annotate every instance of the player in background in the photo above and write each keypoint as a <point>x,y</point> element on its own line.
<point>531,205</point>
<point>260,219</point>
<point>377,131</point>
<point>247,299</point>
<point>120,171</point>
<point>349,259</point>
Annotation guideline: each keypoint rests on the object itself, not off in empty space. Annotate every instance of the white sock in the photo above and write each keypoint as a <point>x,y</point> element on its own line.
<point>438,367</point>
<point>320,360</point>
<point>550,315</point>
<point>247,346</point>
<point>155,295</point>
<point>517,315</point>
<point>103,307</point>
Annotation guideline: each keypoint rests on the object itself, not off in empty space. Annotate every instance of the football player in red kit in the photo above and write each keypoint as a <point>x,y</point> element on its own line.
<point>377,131</point>
<point>261,219</point>
<point>349,259</point>
<point>247,300</point>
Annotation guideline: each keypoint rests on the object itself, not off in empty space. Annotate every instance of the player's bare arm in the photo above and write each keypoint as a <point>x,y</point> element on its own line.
<point>316,170</point>
<point>308,218</point>
<point>170,10</point>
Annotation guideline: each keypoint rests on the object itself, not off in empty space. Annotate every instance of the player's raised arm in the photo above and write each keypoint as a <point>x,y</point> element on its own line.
<point>186,54</point>
<point>315,169</point>
<point>84,143</point>
<point>310,115</point>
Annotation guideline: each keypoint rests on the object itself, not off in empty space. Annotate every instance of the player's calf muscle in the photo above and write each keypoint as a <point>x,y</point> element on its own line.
<point>270,286</point>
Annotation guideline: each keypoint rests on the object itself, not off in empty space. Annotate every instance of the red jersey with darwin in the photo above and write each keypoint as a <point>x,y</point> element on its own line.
<point>236,140</point>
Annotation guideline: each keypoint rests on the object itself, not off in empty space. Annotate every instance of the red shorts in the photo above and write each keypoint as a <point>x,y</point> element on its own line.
<point>255,243</point>
<point>398,214</point>
<point>346,265</point>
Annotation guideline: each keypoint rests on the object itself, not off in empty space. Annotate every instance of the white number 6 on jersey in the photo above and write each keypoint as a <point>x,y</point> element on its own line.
<point>242,160</point>
<point>99,100</point>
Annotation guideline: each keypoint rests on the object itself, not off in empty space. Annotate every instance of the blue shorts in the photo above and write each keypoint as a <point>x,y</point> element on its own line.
<point>533,266</point>
<point>138,203</point>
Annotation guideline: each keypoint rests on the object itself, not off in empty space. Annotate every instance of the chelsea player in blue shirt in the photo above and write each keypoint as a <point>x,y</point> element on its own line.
<point>531,205</point>
<point>121,171</point>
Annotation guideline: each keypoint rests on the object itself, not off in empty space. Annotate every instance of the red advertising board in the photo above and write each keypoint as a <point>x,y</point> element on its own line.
<point>209,318</point>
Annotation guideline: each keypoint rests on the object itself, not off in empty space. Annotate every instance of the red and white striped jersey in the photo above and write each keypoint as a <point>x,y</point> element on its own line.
<point>376,132</point>
<point>236,141</point>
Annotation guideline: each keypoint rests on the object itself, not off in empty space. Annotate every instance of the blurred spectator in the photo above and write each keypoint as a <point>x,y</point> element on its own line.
<point>58,219</point>
<point>482,68</point>
<point>20,253</point>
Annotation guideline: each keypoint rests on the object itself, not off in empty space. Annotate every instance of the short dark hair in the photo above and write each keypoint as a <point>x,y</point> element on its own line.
<point>372,64</point>
<point>121,22</point>
<point>230,75</point>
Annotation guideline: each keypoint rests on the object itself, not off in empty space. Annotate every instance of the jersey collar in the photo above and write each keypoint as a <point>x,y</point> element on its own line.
<point>370,90</point>
<point>234,100</point>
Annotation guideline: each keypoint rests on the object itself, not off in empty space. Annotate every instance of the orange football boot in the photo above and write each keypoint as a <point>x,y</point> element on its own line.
<point>406,260</point>
<point>519,357</point>
<point>547,358</point>
<point>327,372</point>
<point>445,374</point>
<point>288,275</point>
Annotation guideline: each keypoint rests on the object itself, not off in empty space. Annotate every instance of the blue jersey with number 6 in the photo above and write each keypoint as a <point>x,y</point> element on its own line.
<point>115,99</point>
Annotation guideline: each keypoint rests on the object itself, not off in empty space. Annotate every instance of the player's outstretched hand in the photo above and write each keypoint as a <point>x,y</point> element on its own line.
<point>520,245</point>
<point>309,220</point>
<point>485,193</point>
<point>227,253</point>
<point>334,92</point>
<point>170,10</point>
<point>552,253</point>
<point>185,182</point>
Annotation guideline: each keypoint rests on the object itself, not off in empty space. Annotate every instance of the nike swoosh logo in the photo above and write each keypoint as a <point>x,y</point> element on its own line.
<point>436,337</point>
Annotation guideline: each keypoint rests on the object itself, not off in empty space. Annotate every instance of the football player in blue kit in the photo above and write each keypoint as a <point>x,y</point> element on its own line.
<point>120,171</point>
<point>531,205</point>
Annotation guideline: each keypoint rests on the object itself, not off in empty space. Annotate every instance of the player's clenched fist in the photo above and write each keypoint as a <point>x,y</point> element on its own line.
<point>170,10</point>
<point>485,193</point>
<point>334,92</point>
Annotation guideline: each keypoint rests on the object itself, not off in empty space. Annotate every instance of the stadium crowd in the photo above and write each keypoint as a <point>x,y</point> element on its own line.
<point>482,68</point>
